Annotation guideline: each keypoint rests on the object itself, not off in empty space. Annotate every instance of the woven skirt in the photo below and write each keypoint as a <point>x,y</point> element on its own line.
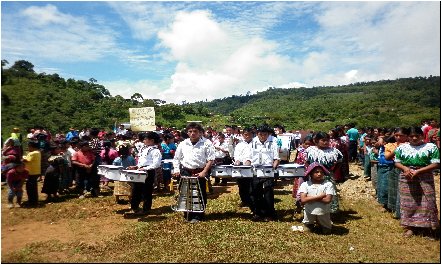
<point>393,189</point>
<point>418,201</point>
<point>122,188</point>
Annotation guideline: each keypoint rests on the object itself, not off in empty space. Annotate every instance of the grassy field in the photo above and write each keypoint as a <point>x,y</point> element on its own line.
<point>94,230</point>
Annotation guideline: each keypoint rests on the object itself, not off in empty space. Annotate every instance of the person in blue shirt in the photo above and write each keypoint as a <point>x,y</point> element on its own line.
<point>71,134</point>
<point>353,136</point>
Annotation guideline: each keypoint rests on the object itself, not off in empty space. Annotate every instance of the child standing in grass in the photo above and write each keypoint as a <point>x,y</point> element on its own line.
<point>316,195</point>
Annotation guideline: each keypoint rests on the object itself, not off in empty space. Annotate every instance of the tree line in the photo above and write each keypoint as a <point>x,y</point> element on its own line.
<point>56,103</point>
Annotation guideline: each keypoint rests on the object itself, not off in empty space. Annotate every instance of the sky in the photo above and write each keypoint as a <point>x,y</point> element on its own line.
<point>197,51</point>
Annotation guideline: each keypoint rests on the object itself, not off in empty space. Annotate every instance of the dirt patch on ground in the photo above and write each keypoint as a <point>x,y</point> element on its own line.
<point>17,232</point>
<point>16,235</point>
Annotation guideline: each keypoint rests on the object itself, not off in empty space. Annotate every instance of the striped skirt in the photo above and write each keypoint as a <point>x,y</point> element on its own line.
<point>393,189</point>
<point>367,166</point>
<point>374,175</point>
<point>418,201</point>
<point>382,184</point>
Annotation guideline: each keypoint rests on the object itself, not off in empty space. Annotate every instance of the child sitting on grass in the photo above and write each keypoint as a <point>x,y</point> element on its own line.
<point>316,195</point>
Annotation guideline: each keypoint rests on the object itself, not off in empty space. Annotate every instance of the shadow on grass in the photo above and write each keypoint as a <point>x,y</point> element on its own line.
<point>342,217</point>
<point>282,192</point>
<point>227,215</point>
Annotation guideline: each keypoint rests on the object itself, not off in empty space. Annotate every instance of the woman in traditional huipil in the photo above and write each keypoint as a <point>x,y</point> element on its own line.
<point>326,156</point>
<point>417,160</point>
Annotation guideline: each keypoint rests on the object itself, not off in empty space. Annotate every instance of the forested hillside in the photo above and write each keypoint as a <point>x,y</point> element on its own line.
<point>30,99</point>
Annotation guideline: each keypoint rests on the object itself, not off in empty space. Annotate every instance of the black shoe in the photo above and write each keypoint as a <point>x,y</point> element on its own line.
<point>256,218</point>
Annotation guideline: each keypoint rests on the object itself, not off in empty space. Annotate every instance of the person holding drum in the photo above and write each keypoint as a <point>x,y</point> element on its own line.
<point>149,160</point>
<point>243,156</point>
<point>264,154</point>
<point>194,157</point>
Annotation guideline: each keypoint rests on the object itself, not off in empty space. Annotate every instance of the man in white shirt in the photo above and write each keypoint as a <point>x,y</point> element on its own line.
<point>222,156</point>
<point>264,153</point>
<point>194,157</point>
<point>243,156</point>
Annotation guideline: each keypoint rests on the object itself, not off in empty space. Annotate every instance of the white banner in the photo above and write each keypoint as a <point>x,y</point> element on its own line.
<point>142,119</point>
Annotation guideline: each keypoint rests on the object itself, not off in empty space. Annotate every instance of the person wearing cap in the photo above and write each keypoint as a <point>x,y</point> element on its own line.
<point>264,153</point>
<point>149,160</point>
<point>316,195</point>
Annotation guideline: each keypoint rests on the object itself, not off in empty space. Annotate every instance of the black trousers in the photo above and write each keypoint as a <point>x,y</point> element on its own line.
<point>32,188</point>
<point>245,190</point>
<point>352,151</point>
<point>263,197</point>
<point>143,192</point>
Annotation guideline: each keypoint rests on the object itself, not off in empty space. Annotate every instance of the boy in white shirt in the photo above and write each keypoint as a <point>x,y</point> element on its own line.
<point>316,195</point>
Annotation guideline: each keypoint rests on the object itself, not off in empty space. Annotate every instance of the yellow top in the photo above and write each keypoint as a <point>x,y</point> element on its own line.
<point>33,162</point>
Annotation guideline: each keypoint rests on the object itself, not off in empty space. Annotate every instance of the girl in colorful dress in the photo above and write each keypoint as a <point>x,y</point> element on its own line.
<point>300,159</point>
<point>417,160</point>
<point>336,142</point>
<point>393,203</point>
<point>326,156</point>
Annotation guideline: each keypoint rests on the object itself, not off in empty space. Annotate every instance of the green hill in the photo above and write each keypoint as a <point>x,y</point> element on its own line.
<point>30,99</point>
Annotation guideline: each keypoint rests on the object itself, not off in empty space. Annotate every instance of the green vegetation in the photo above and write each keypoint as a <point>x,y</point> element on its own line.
<point>30,99</point>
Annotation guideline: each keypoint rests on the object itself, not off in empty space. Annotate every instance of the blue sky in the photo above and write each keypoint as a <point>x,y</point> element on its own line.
<point>191,51</point>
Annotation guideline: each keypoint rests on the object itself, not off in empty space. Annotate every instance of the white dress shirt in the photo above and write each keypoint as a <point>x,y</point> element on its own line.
<point>243,152</point>
<point>193,156</point>
<point>263,154</point>
<point>224,148</point>
<point>149,158</point>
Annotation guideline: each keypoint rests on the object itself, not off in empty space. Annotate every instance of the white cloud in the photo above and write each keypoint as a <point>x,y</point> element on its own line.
<point>213,63</point>
<point>46,33</point>
<point>148,89</point>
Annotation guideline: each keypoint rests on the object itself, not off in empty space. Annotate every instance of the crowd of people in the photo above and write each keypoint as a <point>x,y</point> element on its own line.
<point>399,162</point>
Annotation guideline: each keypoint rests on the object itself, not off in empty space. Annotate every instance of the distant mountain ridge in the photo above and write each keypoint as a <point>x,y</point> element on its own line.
<point>30,99</point>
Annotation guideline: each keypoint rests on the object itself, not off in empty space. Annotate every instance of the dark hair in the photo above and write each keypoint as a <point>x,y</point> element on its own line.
<point>94,132</point>
<point>321,135</point>
<point>168,136</point>
<point>415,130</point>
<point>194,125</point>
<point>34,144</point>
<point>123,151</point>
<point>308,138</point>
<point>265,128</point>
<point>247,129</point>
<point>153,136</point>
<point>220,134</point>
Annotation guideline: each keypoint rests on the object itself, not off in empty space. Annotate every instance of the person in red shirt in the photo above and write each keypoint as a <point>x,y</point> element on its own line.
<point>16,178</point>
<point>84,160</point>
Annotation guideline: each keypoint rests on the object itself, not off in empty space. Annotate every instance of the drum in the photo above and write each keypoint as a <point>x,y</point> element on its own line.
<point>101,169</point>
<point>291,171</point>
<point>167,164</point>
<point>242,172</point>
<point>112,172</point>
<point>222,171</point>
<point>264,172</point>
<point>133,176</point>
